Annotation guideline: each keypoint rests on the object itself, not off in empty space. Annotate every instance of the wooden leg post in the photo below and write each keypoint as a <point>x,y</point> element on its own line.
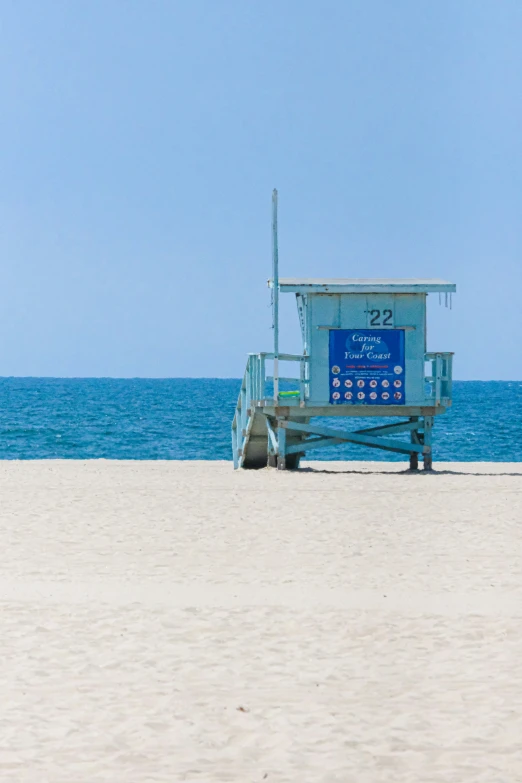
<point>428,426</point>
<point>272,445</point>
<point>414,456</point>
<point>281,439</point>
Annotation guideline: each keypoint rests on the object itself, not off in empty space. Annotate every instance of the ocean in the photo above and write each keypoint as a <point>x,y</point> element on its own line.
<point>190,418</point>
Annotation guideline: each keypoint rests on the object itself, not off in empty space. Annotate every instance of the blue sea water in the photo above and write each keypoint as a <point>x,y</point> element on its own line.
<point>189,418</point>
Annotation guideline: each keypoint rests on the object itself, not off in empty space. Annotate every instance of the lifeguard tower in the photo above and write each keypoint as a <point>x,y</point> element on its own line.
<point>364,354</point>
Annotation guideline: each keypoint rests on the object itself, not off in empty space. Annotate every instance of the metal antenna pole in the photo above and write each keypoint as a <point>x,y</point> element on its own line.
<point>275,293</point>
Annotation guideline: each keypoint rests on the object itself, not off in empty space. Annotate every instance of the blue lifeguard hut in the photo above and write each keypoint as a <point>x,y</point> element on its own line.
<point>364,355</point>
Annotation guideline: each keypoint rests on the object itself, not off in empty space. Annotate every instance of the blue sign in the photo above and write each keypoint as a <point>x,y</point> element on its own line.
<point>367,366</point>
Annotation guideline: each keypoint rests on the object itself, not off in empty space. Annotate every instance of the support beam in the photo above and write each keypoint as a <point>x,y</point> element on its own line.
<point>428,425</point>
<point>389,429</point>
<point>272,437</point>
<point>281,439</point>
<point>414,457</point>
<point>364,440</point>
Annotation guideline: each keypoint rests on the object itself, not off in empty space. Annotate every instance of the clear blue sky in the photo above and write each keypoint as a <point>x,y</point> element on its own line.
<point>140,142</point>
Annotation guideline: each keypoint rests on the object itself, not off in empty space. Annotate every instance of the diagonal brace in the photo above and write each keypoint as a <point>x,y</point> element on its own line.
<point>272,436</point>
<point>391,429</point>
<point>350,437</point>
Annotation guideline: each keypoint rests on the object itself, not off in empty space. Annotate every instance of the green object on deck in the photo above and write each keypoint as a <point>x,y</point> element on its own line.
<point>289,394</point>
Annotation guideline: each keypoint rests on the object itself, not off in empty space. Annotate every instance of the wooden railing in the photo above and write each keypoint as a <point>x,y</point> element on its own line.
<point>439,383</point>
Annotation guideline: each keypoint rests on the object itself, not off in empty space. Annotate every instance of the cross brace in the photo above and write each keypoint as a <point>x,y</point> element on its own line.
<point>328,435</point>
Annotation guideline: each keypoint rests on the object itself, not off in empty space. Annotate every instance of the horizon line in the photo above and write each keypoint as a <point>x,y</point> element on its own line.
<point>194,378</point>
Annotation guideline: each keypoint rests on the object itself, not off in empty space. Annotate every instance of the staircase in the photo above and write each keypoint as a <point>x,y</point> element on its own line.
<point>253,442</point>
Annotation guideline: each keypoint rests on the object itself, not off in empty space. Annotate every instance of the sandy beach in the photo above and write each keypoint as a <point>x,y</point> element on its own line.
<point>177,621</point>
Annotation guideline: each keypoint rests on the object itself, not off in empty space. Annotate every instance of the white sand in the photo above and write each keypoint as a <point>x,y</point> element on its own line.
<point>181,622</point>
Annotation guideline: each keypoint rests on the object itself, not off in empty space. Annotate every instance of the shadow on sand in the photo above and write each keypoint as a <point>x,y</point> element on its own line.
<point>406,472</point>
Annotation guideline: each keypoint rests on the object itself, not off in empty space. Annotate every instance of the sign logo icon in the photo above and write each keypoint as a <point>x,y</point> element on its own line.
<point>360,383</point>
<point>361,395</point>
<point>373,383</point>
<point>373,395</point>
<point>336,370</point>
<point>336,396</point>
<point>385,383</point>
<point>397,384</point>
<point>348,383</point>
<point>336,382</point>
<point>348,395</point>
<point>398,395</point>
<point>385,395</point>
<point>397,369</point>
